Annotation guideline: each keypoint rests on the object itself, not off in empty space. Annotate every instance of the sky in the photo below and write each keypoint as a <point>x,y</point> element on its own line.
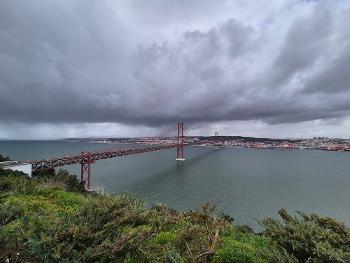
<point>125,68</point>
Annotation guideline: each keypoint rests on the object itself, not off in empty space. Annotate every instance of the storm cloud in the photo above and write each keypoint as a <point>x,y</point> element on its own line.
<point>153,63</point>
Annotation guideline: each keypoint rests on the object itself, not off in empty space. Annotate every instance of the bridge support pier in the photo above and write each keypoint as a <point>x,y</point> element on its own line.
<point>85,172</point>
<point>180,142</point>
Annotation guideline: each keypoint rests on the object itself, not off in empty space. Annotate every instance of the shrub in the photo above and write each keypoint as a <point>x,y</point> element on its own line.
<point>238,252</point>
<point>173,257</point>
<point>69,182</point>
<point>4,158</point>
<point>310,237</point>
<point>48,219</point>
<point>164,238</point>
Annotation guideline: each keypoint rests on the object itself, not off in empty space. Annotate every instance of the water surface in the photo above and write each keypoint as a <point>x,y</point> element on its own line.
<point>244,183</point>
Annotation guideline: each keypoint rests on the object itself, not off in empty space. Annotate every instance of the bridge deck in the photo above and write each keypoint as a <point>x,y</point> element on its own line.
<point>94,156</point>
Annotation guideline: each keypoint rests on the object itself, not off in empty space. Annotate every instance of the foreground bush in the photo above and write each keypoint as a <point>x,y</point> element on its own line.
<point>310,237</point>
<point>4,158</point>
<point>50,219</point>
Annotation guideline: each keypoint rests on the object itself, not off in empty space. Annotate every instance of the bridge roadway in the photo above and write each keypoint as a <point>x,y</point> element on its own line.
<point>90,157</point>
<point>85,159</point>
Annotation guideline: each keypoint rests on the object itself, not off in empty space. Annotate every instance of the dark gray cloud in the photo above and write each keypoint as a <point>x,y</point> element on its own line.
<point>334,77</point>
<point>103,61</point>
<point>305,43</point>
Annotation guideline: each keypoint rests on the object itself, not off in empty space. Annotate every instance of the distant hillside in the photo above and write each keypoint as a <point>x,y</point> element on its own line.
<point>245,139</point>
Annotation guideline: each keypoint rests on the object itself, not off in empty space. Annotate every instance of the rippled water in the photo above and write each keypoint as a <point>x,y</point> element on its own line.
<point>243,183</point>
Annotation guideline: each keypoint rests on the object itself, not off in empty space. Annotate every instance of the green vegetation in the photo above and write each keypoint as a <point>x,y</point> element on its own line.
<point>52,219</point>
<point>4,158</point>
<point>321,239</point>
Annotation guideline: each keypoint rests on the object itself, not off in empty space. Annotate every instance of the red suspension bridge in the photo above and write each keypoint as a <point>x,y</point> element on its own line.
<point>85,159</point>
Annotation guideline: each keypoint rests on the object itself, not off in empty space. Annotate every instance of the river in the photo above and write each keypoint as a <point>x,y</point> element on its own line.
<point>243,183</point>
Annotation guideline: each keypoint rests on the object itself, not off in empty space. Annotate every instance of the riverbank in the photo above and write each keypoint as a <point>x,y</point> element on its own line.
<point>51,219</point>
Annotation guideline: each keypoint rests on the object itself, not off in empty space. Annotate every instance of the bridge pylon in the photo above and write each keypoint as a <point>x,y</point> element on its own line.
<point>180,142</point>
<point>85,172</point>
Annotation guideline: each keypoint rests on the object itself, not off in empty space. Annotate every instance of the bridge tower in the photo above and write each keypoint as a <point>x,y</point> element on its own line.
<point>85,172</point>
<point>180,142</point>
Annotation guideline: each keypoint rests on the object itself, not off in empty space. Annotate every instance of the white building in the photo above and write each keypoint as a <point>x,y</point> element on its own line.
<point>17,166</point>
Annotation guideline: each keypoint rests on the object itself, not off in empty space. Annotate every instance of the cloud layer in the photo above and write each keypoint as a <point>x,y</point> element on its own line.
<point>152,63</point>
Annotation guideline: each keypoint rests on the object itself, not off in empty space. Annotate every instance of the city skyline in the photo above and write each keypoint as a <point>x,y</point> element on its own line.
<point>276,69</point>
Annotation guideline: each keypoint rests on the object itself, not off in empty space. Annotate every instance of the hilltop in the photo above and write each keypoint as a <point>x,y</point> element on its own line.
<point>50,218</point>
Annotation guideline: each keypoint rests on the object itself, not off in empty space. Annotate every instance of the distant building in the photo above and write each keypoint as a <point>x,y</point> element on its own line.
<point>216,133</point>
<point>17,166</point>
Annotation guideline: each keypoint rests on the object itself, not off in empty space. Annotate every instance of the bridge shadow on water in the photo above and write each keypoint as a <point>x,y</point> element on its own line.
<point>177,171</point>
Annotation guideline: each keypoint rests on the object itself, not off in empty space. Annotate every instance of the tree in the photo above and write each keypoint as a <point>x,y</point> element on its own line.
<point>4,158</point>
